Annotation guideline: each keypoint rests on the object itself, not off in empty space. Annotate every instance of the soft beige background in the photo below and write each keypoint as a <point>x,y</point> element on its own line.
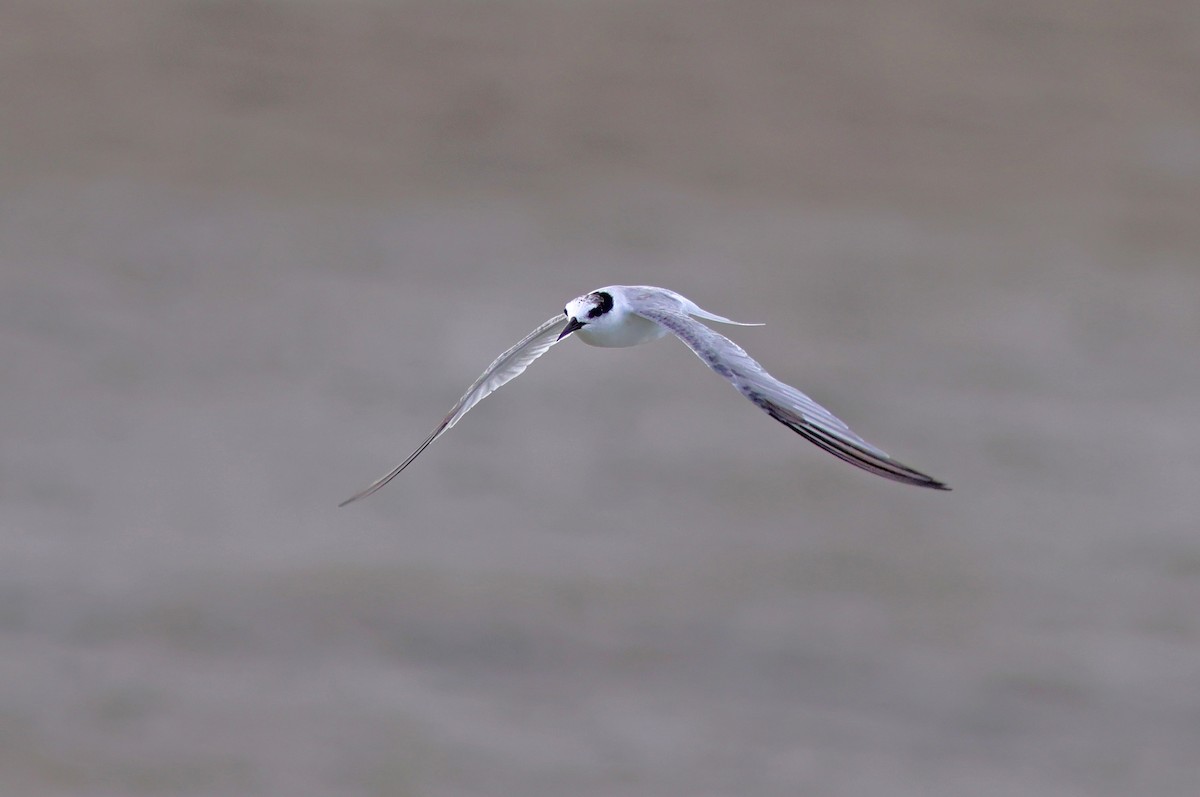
<point>251,252</point>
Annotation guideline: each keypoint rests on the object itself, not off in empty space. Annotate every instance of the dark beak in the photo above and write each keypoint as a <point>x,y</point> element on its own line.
<point>571,326</point>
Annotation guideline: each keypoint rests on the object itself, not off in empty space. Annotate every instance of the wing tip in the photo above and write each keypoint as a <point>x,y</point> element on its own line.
<point>361,494</point>
<point>876,462</point>
<point>934,484</point>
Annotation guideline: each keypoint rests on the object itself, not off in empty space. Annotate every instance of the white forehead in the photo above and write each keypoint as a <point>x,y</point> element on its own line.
<point>581,304</point>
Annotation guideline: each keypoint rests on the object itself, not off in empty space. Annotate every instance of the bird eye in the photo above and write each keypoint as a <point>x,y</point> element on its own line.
<point>603,303</point>
<point>565,312</point>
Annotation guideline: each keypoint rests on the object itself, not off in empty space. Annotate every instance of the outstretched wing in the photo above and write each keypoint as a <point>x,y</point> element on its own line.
<point>507,366</point>
<point>783,402</point>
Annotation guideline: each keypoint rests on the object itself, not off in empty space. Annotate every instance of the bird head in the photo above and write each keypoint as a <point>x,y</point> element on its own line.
<point>591,308</point>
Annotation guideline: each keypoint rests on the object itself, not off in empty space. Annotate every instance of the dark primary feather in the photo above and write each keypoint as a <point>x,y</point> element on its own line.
<point>783,402</point>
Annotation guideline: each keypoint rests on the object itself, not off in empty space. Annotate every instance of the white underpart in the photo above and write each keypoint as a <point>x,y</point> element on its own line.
<point>630,331</point>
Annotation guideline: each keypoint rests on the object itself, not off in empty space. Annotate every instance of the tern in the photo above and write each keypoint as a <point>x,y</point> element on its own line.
<point>627,315</point>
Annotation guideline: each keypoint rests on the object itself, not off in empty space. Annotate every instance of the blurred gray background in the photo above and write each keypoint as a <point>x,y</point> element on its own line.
<point>251,252</point>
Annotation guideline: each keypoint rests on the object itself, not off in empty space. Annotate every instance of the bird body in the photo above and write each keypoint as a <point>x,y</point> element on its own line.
<point>609,317</point>
<point>632,330</point>
<point>628,315</point>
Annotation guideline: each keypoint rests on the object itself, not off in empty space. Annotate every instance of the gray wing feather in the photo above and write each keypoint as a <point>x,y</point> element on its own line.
<point>783,402</point>
<point>505,368</point>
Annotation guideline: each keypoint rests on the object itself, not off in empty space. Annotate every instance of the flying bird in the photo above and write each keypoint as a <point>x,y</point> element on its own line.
<point>627,315</point>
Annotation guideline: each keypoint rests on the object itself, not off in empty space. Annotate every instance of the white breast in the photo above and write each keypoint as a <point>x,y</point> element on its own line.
<point>629,331</point>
